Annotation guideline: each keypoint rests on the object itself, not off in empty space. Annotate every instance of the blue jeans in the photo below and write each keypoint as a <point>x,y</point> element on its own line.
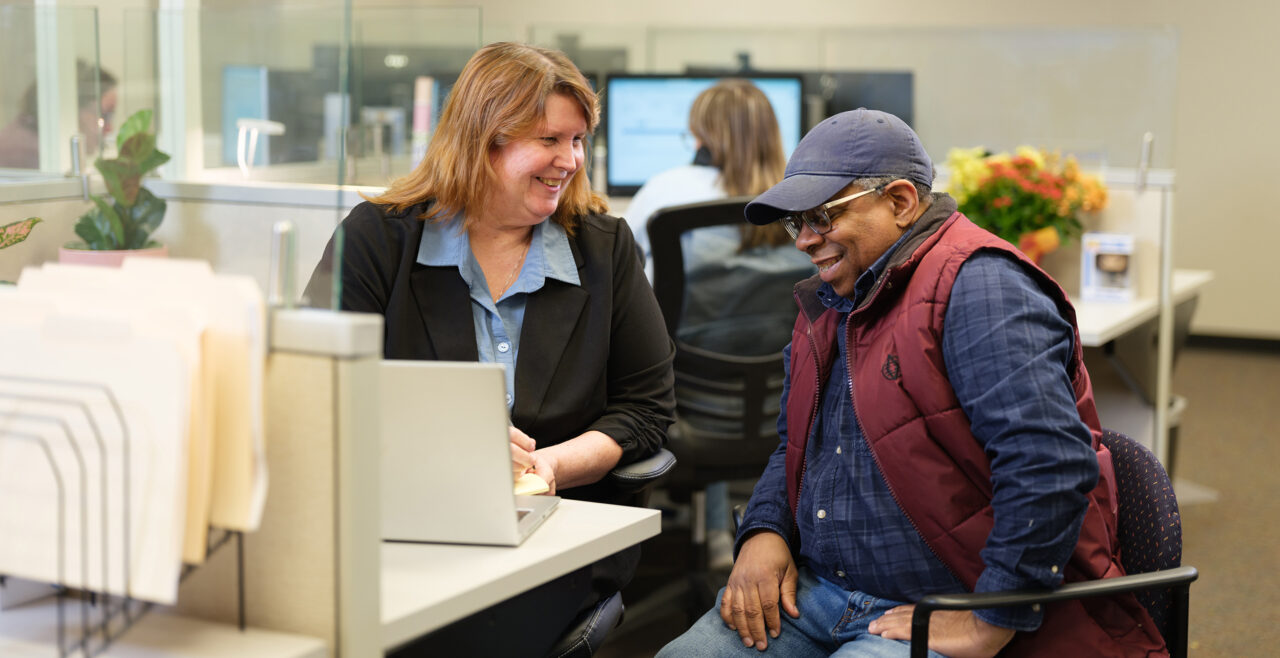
<point>833,622</point>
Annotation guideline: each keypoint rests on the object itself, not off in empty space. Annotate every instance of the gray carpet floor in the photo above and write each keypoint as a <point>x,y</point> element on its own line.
<point>1226,476</point>
<point>1228,450</point>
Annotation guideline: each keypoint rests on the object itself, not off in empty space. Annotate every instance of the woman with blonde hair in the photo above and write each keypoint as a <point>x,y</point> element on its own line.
<point>461,261</point>
<point>738,153</point>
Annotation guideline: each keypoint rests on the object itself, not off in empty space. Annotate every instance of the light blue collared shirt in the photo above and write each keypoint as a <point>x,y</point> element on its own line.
<point>498,325</point>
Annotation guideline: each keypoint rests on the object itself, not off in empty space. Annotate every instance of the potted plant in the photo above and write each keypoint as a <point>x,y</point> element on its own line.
<point>1032,198</point>
<point>122,224</point>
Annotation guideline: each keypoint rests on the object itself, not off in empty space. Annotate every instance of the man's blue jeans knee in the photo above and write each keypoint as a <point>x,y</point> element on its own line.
<point>833,622</point>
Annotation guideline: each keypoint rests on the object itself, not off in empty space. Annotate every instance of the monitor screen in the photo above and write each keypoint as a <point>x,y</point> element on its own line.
<point>647,116</point>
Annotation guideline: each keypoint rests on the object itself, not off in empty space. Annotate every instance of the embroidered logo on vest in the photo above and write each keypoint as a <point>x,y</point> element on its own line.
<point>891,371</point>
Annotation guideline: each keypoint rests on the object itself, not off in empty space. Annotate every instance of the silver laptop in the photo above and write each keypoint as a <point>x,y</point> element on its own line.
<point>446,460</point>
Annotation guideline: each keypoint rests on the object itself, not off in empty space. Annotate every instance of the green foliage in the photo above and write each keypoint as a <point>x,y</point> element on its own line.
<point>11,234</point>
<point>133,213</point>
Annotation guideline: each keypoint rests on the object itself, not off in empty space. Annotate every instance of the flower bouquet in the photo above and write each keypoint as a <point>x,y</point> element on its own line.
<point>1031,198</point>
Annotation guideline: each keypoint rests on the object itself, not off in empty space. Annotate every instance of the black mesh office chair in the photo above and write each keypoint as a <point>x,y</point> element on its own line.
<point>728,376</point>
<point>585,635</point>
<point>1150,538</point>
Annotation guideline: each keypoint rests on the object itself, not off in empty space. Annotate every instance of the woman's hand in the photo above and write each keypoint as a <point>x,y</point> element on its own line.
<point>522,448</point>
<point>545,466</point>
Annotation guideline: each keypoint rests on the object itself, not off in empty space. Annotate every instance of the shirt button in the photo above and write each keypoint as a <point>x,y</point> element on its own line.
<point>1035,607</point>
<point>504,347</point>
<point>508,399</point>
<point>822,514</point>
<point>837,450</point>
<point>839,574</point>
<point>1053,569</point>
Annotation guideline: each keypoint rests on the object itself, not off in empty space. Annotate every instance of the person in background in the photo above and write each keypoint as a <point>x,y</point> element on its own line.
<point>495,249</point>
<point>917,460</point>
<point>738,152</point>
<point>97,99</point>
<point>739,279</point>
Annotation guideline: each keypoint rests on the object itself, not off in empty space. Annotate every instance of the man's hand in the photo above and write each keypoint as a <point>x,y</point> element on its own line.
<point>955,633</point>
<point>763,575</point>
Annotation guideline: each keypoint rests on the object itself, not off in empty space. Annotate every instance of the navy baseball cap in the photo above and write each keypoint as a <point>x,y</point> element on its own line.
<point>856,144</point>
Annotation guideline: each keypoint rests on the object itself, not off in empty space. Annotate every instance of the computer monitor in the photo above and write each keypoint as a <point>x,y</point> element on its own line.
<point>646,117</point>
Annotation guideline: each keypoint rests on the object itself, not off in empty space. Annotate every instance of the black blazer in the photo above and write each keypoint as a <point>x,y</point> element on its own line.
<point>592,357</point>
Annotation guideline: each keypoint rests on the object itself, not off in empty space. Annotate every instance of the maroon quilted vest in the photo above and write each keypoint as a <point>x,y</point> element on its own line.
<point>921,439</point>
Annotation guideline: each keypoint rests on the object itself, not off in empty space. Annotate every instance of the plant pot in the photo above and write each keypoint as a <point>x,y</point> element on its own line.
<point>107,257</point>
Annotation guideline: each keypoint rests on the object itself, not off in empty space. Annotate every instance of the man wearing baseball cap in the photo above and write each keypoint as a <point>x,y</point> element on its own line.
<point>938,430</point>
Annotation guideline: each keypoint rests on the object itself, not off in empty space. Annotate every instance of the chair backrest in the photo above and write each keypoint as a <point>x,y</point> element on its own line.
<point>728,370</point>
<point>1148,524</point>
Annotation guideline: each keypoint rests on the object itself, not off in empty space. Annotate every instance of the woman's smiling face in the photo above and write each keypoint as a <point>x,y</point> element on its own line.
<point>534,170</point>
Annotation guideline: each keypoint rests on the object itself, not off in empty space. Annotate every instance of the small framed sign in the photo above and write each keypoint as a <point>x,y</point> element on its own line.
<point>1106,271</point>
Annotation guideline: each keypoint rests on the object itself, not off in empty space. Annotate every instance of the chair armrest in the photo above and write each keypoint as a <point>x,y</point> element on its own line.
<point>1180,577</point>
<point>642,473</point>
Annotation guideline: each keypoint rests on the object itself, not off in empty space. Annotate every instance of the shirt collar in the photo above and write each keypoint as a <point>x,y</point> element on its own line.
<point>445,244</point>
<point>863,285</point>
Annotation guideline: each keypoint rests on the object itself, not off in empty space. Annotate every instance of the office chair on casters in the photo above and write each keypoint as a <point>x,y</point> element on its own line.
<point>588,631</point>
<point>726,399</point>
<point>1150,538</point>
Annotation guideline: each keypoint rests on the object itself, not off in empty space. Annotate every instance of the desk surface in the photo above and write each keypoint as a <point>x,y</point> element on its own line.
<point>1102,322</point>
<point>31,630</point>
<point>425,586</point>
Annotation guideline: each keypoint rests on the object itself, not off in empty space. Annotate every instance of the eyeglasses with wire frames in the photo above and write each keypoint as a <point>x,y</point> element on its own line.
<point>817,219</point>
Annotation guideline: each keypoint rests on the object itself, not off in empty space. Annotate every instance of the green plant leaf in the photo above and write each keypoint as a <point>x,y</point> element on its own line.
<point>110,224</point>
<point>122,178</point>
<point>11,234</point>
<point>87,229</point>
<point>138,148</point>
<point>153,161</point>
<point>144,218</point>
<point>139,122</point>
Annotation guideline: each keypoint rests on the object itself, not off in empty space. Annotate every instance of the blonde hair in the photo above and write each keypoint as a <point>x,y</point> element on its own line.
<point>734,121</point>
<point>501,95</point>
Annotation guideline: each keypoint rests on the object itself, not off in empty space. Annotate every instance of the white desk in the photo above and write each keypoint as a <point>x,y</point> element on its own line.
<point>425,586</point>
<point>31,630</point>
<point>1128,372</point>
<point>1102,322</point>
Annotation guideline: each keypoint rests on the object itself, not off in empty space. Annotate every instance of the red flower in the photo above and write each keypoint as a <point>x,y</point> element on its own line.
<point>1001,202</point>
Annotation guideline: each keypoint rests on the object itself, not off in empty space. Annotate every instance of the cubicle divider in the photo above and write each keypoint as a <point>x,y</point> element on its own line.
<point>314,566</point>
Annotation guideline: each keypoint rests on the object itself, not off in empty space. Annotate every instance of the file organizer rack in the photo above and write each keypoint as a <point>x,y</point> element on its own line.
<point>104,616</point>
<point>314,566</point>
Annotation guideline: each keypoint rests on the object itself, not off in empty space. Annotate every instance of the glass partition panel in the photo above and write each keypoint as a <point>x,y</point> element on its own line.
<point>699,49</point>
<point>270,95</point>
<point>1089,91</point>
<point>403,63</point>
<point>598,50</point>
<point>52,91</point>
<point>306,95</point>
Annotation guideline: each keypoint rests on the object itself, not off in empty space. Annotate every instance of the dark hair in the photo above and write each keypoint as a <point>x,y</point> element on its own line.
<point>92,83</point>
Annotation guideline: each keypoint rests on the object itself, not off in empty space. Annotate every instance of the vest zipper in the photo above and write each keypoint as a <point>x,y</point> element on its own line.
<point>813,415</point>
<point>853,401</point>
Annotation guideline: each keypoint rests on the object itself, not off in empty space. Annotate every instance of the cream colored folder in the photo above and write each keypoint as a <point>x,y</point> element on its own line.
<point>106,292</point>
<point>63,451</point>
